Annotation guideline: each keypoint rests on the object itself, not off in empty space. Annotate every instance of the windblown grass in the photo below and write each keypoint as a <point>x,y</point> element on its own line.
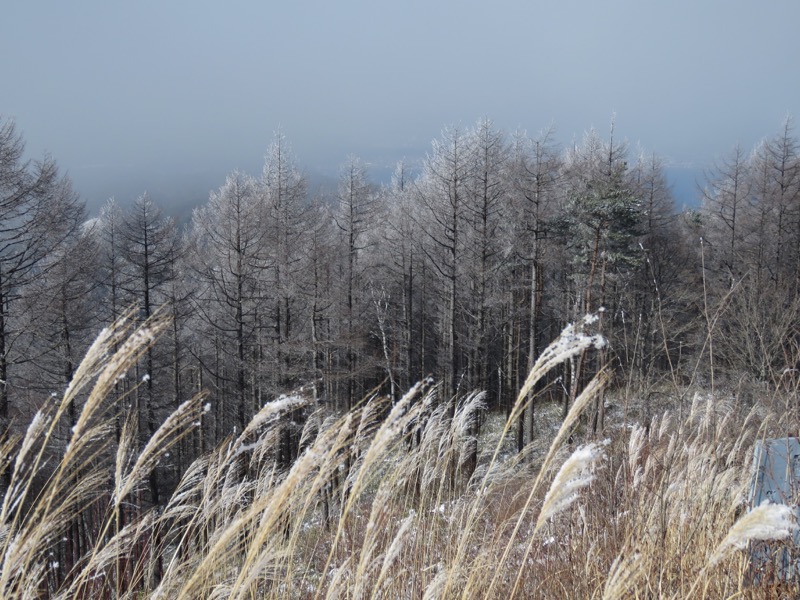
<point>387,501</point>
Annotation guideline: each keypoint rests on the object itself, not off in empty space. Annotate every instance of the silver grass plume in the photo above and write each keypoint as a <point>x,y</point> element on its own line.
<point>764,522</point>
<point>622,576</point>
<point>575,474</point>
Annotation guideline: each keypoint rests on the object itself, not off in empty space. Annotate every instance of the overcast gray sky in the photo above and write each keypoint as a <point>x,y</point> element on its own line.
<point>121,90</point>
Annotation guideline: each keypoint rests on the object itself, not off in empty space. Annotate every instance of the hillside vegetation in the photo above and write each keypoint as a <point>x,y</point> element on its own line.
<point>352,394</point>
<point>403,500</point>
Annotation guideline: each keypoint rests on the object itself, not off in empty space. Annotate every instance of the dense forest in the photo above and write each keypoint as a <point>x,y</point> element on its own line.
<point>462,269</point>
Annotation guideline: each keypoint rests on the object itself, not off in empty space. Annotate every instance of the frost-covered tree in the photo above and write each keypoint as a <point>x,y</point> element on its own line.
<point>725,204</point>
<point>602,217</point>
<point>39,213</point>
<point>487,252</point>
<point>442,197</point>
<point>150,248</point>
<point>318,290</point>
<point>599,227</point>
<point>777,195</point>
<point>402,260</point>
<point>658,318</point>
<point>355,217</point>
<point>229,256</point>
<point>62,316</point>
<point>752,222</point>
<point>284,195</point>
<point>111,272</point>
<point>533,180</point>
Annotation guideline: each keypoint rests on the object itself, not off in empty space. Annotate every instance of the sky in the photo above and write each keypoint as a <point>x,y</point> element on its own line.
<point>173,95</point>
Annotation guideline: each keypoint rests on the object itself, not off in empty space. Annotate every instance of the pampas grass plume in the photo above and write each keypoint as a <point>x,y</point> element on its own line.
<point>765,522</point>
<point>576,473</point>
<point>622,576</point>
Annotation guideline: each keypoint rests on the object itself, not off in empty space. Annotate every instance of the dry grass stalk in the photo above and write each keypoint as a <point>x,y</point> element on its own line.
<point>387,508</point>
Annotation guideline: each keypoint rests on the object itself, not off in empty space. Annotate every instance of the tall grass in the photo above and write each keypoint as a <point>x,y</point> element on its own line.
<point>399,501</point>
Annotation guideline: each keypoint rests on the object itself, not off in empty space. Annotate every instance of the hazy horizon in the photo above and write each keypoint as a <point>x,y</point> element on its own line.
<point>174,96</point>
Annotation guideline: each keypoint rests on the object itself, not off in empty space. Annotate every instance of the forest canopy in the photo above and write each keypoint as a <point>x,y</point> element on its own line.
<point>453,277</point>
<point>461,269</point>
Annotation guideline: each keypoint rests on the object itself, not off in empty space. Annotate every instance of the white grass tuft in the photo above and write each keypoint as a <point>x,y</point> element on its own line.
<point>575,474</point>
<point>764,522</point>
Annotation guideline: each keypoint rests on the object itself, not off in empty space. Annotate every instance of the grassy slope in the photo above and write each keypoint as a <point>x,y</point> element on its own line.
<point>390,501</point>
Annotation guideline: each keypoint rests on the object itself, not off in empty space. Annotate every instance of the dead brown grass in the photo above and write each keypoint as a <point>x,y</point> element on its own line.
<point>366,511</point>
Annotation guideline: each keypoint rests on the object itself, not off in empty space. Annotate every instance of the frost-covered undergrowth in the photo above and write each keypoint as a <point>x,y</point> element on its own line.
<point>413,500</point>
